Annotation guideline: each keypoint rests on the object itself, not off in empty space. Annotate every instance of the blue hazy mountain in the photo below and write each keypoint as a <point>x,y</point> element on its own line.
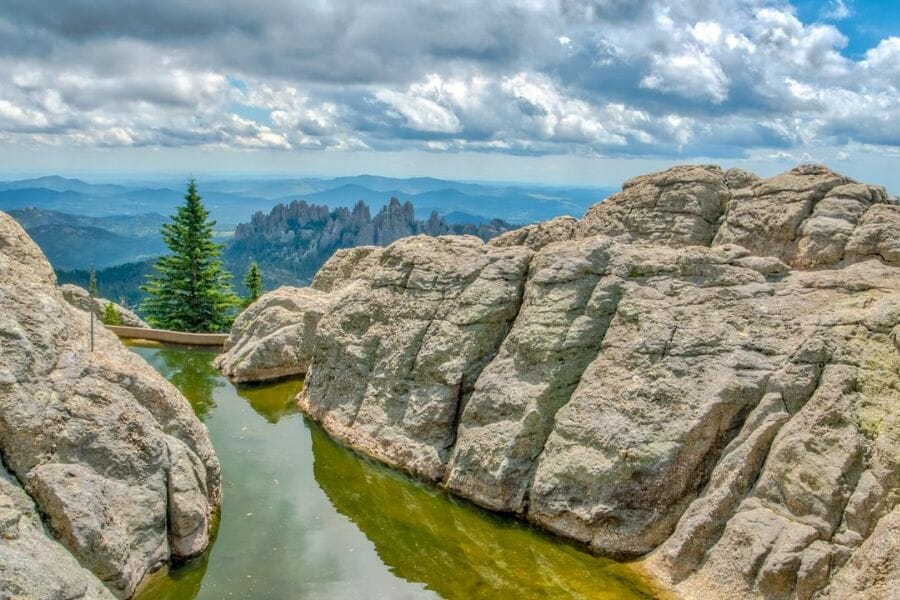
<point>78,241</point>
<point>78,223</point>
<point>105,200</point>
<point>234,201</point>
<point>457,217</point>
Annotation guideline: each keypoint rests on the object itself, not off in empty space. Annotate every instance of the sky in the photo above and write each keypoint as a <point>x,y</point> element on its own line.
<point>566,91</point>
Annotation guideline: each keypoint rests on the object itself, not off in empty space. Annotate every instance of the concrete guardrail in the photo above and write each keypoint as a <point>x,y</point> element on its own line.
<point>170,337</point>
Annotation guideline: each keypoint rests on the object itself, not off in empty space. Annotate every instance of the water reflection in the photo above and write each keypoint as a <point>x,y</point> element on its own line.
<point>303,517</point>
<point>189,368</point>
<point>457,550</point>
<point>272,401</point>
<point>180,582</point>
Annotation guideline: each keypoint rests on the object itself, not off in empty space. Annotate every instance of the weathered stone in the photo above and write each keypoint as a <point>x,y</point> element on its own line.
<point>678,207</point>
<point>568,303</point>
<point>774,217</point>
<point>706,368</point>
<point>877,235</point>
<point>80,298</point>
<point>874,569</point>
<point>399,351</point>
<point>33,564</point>
<point>113,455</point>
<point>341,268</point>
<point>538,235</point>
<point>273,337</point>
<point>684,360</point>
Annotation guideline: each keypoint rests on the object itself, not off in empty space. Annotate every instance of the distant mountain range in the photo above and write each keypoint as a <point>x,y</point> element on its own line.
<point>76,241</point>
<point>290,225</point>
<point>290,243</point>
<point>293,240</point>
<point>234,201</point>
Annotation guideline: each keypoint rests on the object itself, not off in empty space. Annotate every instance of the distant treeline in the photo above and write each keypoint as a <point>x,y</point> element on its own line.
<point>291,243</point>
<point>120,283</point>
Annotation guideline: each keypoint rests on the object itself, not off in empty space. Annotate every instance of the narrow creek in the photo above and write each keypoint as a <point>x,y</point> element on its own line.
<point>303,517</point>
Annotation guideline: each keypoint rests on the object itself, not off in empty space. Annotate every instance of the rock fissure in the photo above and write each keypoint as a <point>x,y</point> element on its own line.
<point>83,433</point>
<point>671,374</point>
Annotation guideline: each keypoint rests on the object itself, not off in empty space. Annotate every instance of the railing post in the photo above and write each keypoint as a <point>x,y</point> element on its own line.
<point>92,285</point>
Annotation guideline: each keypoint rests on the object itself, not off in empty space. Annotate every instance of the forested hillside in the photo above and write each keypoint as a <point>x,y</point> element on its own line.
<point>293,240</point>
<point>120,283</point>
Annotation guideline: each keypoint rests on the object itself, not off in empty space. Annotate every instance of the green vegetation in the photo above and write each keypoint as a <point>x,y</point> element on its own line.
<point>294,240</point>
<point>305,517</point>
<point>111,315</point>
<point>253,283</point>
<point>190,290</point>
<point>122,282</point>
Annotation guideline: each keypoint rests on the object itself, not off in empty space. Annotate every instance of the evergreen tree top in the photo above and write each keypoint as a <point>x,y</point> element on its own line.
<point>190,291</point>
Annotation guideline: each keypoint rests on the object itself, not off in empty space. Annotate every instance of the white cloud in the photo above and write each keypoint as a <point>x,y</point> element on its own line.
<point>836,10</point>
<point>692,74</point>
<point>419,111</point>
<point>707,32</point>
<point>643,77</point>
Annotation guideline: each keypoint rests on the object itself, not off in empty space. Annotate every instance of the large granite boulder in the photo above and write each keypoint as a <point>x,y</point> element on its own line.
<point>32,563</point>
<point>80,298</point>
<point>111,454</point>
<point>538,235</point>
<point>703,371</point>
<point>398,353</point>
<point>273,337</point>
<point>678,207</point>
<point>341,268</point>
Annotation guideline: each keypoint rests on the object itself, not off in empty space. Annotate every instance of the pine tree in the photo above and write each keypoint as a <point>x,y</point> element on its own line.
<point>190,291</point>
<point>253,283</point>
<point>111,315</point>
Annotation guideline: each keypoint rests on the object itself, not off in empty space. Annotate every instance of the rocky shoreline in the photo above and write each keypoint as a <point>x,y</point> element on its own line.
<point>703,372</point>
<point>107,473</point>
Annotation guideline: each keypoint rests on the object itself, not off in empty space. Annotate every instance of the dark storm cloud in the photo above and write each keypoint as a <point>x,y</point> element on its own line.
<point>337,42</point>
<point>632,77</point>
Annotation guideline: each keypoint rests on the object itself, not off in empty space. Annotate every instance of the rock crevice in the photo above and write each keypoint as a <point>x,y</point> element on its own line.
<point>110,453</point>
<point>703,371</point>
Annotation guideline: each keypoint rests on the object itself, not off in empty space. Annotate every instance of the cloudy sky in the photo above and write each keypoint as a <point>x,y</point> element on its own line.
<point>566,90</point>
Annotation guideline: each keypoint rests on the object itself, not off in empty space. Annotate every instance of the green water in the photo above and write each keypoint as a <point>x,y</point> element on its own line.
<point>303,517</point>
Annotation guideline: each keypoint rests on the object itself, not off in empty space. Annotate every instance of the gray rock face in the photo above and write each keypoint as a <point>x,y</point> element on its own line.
<point>681,206</point>
<point>32,563</point>
<point>274,336</point>
<point>704,371</point>
<point>342,268</point>
<point>112,454</point>
<point>400,349</point>
<point>538,235</point>
<point>80,298</point>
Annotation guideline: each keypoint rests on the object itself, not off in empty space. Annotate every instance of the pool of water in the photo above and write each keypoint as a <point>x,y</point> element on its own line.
<point>303,517</point>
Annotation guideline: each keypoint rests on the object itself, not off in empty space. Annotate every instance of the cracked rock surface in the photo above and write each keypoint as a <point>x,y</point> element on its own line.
<point>273,337</point>
<point>704,372</point>
<point>107,451</point>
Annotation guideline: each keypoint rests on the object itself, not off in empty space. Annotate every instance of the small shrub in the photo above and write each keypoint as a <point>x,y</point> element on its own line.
<point>111,315</point>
